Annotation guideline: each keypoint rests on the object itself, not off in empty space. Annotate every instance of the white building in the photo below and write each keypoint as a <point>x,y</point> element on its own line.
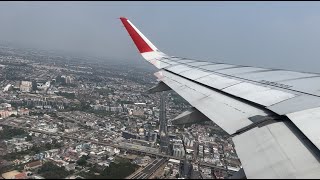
<point>26,86</point>
<point>69,79</point>
<point>43,86</point>
<point>178,150</point>
<point>7,88</point>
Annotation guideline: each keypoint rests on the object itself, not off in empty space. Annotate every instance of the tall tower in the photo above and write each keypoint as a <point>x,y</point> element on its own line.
<point>164,144</point>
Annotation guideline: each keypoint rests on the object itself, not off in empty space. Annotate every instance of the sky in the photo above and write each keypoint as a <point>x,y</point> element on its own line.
<point>283,35</point>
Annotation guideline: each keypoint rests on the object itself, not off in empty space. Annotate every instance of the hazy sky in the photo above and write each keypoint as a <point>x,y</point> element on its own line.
<point>265,34</point>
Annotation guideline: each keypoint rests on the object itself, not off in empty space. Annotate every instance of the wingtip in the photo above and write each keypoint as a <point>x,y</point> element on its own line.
<point>142,43</point>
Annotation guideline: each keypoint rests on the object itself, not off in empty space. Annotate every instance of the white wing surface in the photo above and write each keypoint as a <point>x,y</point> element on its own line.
<point>273,115</point>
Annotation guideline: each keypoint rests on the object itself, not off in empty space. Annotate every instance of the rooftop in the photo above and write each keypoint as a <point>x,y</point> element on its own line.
<point>33,164</point>
<point>10,175</point>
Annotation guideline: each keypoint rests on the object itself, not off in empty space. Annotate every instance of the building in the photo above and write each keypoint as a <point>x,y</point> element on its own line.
<point>4,113</point>
<point>141,142</point>
<point>32,165</point>
<point>178,149</point>
<point>129,135</point>
<point>7,88</point>
<point>153,136</point>
<point>142,161</point>
<point>178,152</point>
<point>186,169</point>
<point>26,86</point>
<point>188,140</point>
<point>5,105</point>
<point>101,107</point>
<point>43,85</point>
<point>69,79</point>
<point>164,144</point>
<point>23,111</point>
<point>200,150</point>
<point>141,132</point>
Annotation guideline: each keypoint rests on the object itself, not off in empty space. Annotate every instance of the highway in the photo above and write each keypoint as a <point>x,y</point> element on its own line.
<point>149,169</point>
<point>117,146</point>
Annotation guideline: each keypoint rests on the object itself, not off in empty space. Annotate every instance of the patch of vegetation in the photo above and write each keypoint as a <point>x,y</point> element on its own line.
<point>83,106</point>
<point>32,151</point>
<point>9,133</point>
<point>66,95</point>
<point>126,102</point>
<point>118,170</point>
<point>71,85</point>
<point>29,138</point>
<point>101,113</point>
<point>103,91</point>
<point>177,176</point>
<point>21,104</point>
<point>35,113</point>
<point>8,168</point>
<point>52,171</point>
<point>83,160</point>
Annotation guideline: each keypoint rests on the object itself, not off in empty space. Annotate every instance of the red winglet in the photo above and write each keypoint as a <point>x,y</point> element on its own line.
<point>137,39</point>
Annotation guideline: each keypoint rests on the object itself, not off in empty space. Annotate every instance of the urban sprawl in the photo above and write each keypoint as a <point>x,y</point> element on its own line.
<point>69,117</point>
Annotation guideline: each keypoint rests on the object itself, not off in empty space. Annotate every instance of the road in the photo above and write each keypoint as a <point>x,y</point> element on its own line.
<point>149,169</point>
<point>116,146</point>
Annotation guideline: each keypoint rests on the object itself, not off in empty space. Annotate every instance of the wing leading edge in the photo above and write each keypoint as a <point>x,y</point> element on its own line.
<point>272,114</point>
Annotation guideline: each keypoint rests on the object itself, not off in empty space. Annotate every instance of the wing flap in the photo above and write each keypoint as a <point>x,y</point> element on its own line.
<point>256,93</point>
<point>195,74</point>
<point>274,75</point>
<point>308,121</point>
<point>274,151</point>
<point>200,63</point>
<point>179,68</point>
<point>240,70</point>
<point>159,64</point>
<point>212,104</point>
<point>218,82</point>
<point>298,103</point>
<point>309,85</point>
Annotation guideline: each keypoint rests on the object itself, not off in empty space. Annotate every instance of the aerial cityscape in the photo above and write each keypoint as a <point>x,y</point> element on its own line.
<point>62,117</point>
<point>159,90</point>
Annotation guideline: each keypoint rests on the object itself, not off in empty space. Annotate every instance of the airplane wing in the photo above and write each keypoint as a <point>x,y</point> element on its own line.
<point>273,115</point>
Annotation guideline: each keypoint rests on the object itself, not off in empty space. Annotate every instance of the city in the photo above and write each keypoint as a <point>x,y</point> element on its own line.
<point>159,90</point>
<point>69,117</point>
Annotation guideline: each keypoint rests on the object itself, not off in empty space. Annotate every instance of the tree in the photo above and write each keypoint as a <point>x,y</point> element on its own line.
<point>118,170</point>
<point>51,171</point>
<point>82,161</point>
<point>177,175</point>
<point>9,132</point>
<point>12,115</point>
<point>29,138</point>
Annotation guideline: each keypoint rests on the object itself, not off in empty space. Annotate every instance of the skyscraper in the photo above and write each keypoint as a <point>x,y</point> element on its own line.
<point>164,146</point>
